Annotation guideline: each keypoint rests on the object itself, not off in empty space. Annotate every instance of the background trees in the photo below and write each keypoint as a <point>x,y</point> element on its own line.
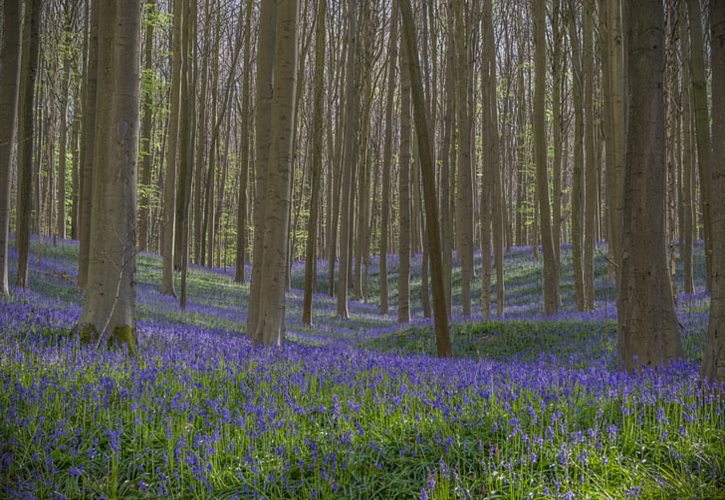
<point>527,113</point>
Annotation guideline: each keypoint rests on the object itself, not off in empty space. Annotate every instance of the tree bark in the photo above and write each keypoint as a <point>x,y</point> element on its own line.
<point>702,128</point>
<point>648,329</point>
<point>169,196</point>
<point>404,208</point>
<point>348,164</point>
<point>244,160</point>
<point>88,135</point>
<point>264,93</point>
<point>31,50</point>
<point>464,203</point>
<point>9,85</point>
<point>713,361</point>
<point>108,312</point>
<point>551,269</point>
<point>317,122</point>
<point>146,145</point>
<point>276,223</point>
<point>388,159</point>
<point>443,345</point>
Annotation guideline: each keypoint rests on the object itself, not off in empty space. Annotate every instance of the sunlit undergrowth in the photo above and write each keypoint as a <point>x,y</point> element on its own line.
<point>531,408</point>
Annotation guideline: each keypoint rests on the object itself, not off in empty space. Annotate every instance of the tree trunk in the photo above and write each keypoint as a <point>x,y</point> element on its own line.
<point>591,173</point>
<point>686,163</point>
<point>276,223</point>
<point>146,145</point>
<point>387,159</point>
<point>348,164</point>
<point>494,160</point>
<point>464,204</point>
<point>31,50</point>
<point>263,139</point>
<point>109,308</point>
<point>702,128</point>
<point>577,190</point>
<point>244,159</point>
<point>404,209</point>
<point>443,344</point>
<point>713,360</point>
<point>317,122</point>
<point>9,84</point>
<point>551,269</point>
<point>169,196</point>
<point>648,329</point>
<point>88,135</point>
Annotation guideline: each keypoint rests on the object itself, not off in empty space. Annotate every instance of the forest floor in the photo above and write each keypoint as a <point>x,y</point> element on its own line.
<point>531,406</point>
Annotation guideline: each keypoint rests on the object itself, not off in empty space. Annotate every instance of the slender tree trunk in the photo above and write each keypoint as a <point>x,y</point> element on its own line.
<point>494,160</point>
<point>317,122</point>
<point>109,308</point>
<point>577,190</point>
<point>9,84</point>
<point>348,165</point>
<point>404,209</point>
<point>648,329</point>
<point>443,344</point>
<point>244,150</point>
<point>702,128</point>
<point>464,205</point>
<point>31,50</point>
<point>169,195</point>
<point>551,269</point>
<point>146,146</point>
<point>388,159</point>
<point>446,163</point>
<point>687,161</point>
<point>713,361</point>
<point>591,174</point>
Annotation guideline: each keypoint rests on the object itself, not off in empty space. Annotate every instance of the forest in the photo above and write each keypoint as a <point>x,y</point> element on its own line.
<point>386,249</point>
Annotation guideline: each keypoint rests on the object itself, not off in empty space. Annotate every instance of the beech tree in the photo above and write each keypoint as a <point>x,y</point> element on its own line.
<point>648,329</point>
<point>109,309</point>
<point>713,361</point>
<point>9,84</point>
<point>275,226</point>
<point>28,74</point>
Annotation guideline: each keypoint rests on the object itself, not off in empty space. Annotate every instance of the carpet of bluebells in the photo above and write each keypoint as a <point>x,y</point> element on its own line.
<point>531,407</point>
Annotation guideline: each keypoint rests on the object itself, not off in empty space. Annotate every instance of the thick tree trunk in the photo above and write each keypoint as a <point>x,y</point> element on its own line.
<point>9,84</point>
<point>276,223</point>
<point>263,139</point>
<point>109,308</point>
<point>713,360</point>
<point>31,50</point>
<point>648,329</point>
